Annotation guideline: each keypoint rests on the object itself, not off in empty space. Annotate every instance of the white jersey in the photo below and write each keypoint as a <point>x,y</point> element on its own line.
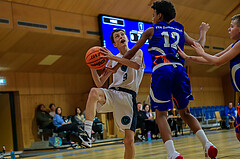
<point>127,77</point>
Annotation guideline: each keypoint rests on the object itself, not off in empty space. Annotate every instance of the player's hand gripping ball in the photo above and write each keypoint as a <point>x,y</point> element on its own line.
<point>94,60</point>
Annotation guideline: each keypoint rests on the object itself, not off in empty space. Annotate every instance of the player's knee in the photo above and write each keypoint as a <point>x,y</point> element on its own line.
<point>184,112</point>
<point>161,114</point>
<point>93,93</point>
<point>128,141</point>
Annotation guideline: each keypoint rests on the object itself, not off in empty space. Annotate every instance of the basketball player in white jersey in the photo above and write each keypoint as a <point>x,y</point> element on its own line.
<point>120,97</point>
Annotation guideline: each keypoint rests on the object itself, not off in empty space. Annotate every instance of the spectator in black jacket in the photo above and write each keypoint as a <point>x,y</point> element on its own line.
<point>44,120</point>
<point>141,117</point>
<point>150,122</point>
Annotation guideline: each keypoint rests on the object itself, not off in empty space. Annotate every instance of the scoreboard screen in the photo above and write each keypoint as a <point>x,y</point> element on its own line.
<point>133,29</point>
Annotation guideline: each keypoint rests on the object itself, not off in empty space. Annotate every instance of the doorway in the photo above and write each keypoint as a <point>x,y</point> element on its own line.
<point>8,133</point>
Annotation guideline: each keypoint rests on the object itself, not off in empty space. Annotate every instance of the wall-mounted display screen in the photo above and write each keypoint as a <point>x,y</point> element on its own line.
<point>133,29</point>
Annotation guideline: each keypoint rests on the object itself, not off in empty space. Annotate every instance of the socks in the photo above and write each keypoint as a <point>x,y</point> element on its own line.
<point>170,147</point>
<point>88,127</point>
<point>202,137</point>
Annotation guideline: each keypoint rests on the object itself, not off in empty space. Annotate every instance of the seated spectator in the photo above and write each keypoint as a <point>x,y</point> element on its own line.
<point>150,122</point>
<point>79,117</point>
<point>146,108</point>
<point>62,126</point>
<point>172,123</point>
<point>44,120</point>
<point>179,121</point>
<point>229,114</point>
<point>97,128</point>
<point>52,109</point>
<point>141,116</point>
<point>175,122</point>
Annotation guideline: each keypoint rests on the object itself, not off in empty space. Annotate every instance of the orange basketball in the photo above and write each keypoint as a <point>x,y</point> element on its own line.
<point>94,60</point>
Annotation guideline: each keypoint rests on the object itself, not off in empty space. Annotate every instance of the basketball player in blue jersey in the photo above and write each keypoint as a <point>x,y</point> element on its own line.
<point>120,97</point>
<point>169,77</point>
<point>231,53</point>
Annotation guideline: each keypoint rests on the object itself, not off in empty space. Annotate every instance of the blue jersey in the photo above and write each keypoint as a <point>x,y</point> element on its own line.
<point>169,77</point>
<point>235,71</point>
<point>163,44</point>
<point>235,78</point>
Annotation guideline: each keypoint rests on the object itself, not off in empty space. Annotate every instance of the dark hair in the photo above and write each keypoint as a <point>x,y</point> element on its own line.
<point>145,107</point>
<point>39,107</point>
<point>76,110</point>
<point>139,103</point>
<point>57,109</point>
<point>166,8</point>
<point>114,31</point>
<point>50,106</point>
<point>237,17</point>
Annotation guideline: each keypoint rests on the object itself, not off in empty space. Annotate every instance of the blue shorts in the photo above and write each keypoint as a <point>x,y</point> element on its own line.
<point>235,78</point>
<point>170,81</point>
<point>238,118</point>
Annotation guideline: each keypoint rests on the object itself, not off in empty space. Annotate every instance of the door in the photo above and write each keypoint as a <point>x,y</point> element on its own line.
<point>8,133</point>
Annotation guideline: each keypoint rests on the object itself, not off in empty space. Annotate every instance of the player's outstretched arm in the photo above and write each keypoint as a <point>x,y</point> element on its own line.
<point>224,51</point>
<point>100,80</point>
<point>200,59</point>
<point>144,37</point>
<point>203,31</point>
<point>122,61</point>
<point>197,59</point>
<point>202,39</point>
<point>218,60</point>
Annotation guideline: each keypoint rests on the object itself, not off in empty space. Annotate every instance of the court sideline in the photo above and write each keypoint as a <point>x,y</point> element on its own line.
<point>188,145</point>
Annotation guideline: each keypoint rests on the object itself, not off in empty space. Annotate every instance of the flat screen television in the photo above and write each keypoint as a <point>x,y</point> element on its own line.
<point>133,29</point>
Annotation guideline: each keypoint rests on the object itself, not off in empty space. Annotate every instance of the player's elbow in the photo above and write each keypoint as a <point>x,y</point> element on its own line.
<point>99,85</point>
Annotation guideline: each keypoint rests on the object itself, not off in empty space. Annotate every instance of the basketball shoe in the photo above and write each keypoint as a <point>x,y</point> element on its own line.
<point>86,140</point>
<point>175,155</point>
<point>75,137</point>
<point>210,151</point>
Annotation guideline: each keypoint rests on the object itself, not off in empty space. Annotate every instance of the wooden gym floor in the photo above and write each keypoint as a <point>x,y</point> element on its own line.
<point>188,145</point>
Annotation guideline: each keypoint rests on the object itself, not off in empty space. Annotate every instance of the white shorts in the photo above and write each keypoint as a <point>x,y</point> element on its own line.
<point>121,104</point>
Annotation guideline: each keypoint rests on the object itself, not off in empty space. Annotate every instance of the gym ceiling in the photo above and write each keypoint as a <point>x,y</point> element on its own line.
<point>48,50</point>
